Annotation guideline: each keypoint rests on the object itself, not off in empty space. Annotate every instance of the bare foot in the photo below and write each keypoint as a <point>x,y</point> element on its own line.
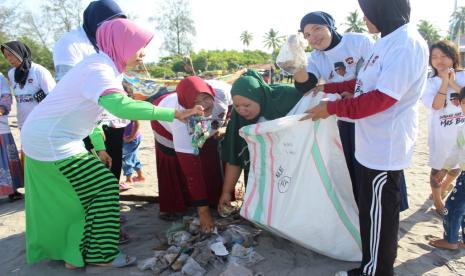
<point>443,244</point>
<point>206,219</point>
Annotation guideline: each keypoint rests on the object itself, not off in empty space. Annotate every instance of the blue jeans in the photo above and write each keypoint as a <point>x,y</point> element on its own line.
<point>455,212</point>
<point>130,160</point>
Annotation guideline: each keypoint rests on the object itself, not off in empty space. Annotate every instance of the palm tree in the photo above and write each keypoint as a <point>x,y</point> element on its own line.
<point>273,40</point>
<point>246,38</point>
<point>457,23</point>
<point>355,23</point>
<point>429,32</point>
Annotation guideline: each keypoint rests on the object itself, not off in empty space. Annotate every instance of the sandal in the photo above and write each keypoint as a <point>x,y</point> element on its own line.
<point>15,196</point>
<point>441,212</point>
<point>71,267</point>
<point>138,179</point>
<point>122,260</point>
<point>123,186</point>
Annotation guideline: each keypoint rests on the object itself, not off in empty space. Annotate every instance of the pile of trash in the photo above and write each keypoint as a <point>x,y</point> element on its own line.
<point>229,249</point>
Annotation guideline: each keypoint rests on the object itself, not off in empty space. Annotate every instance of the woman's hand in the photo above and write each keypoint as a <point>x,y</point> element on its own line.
<point>315,90</point>
<point>318,112</point>
<point>182,115</point>
<point>444,75</point>
<point>451,75</point>
<point>225,201</point>
<point>104,158</point>
<point>346,94</point>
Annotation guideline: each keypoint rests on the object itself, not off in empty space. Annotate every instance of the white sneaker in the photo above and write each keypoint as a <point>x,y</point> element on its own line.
<point>341,273</point>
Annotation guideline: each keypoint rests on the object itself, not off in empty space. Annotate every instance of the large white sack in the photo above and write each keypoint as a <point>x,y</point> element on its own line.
<point>299,186</point>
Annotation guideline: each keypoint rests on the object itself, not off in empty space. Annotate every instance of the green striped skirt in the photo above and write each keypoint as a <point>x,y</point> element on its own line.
<point>72,211</point>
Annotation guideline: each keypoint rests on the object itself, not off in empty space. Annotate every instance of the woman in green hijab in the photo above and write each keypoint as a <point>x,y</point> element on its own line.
<point>254,101</point>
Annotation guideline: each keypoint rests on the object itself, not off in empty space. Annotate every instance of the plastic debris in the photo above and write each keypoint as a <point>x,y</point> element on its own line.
<point>192,268</point>
<point>219,249</point>
<point>240,234</point>
<point>179,238</point>
<point>244,256</point>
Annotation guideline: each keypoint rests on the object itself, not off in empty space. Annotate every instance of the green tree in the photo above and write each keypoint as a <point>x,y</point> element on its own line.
<point>40,54</point>
<point>8,15</point>
<point>355,23</point>
<point>226,60</point>
<point>246,38</point>
<point>176,24</point>
<point>54,18</point>
<point>273,40</point>
<point>429,32</point>
<point>457,23</point>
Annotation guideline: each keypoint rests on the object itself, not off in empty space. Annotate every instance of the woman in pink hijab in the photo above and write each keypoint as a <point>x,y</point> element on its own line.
<point>72,208</point>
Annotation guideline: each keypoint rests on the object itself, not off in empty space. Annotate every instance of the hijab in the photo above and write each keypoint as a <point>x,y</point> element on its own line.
<point>189,88</point>
<point>386,15</point>
<point>121,39</point>
<point>275,102</point>
<point>322,18</point>
<point>23,53</point>
<point>95,14</point>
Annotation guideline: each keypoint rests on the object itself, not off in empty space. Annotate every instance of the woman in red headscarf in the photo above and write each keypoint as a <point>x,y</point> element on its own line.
<point>187,176</point>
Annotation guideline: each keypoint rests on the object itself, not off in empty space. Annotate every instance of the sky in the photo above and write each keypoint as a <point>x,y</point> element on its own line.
<point>219,23</point>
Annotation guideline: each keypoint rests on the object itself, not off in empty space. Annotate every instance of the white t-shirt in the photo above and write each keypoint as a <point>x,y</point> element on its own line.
<point>69,50</point>
<point>5,95</point>
<point>56,127</point>
<point>351,50</point>
<point>37,79</point>
<point>397,67</point>
<point>443,122</point>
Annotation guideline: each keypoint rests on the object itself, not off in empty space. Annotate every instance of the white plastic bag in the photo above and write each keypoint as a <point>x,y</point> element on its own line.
<point>299,186</point>
<point>292,56</point>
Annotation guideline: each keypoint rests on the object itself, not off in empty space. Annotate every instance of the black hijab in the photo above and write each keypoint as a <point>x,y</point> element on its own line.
<point>23,53</point>
<point>386,15</point>
<point>96,13</point>
<point>322,18</point>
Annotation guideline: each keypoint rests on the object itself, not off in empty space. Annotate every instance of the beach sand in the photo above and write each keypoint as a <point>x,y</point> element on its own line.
<point>415,256</point>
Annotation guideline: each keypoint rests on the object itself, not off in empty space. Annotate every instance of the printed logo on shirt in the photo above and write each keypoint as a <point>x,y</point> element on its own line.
<point>28,98</point>
<point>30,80</point>
<point>452,119</point>
<point>350,60</point>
